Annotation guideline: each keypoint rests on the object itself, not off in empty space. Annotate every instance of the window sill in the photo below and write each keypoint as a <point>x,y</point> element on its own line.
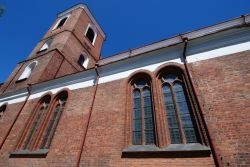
<point>41,153</point>
<point>171,151</point>
<point>21,80</point>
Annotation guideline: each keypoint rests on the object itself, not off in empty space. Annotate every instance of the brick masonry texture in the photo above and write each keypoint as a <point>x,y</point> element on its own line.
<point>223,85</point>
<point>224,88</point>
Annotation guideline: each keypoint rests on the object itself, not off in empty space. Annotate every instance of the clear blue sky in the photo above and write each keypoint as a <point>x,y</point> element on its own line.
<point>127,23</point>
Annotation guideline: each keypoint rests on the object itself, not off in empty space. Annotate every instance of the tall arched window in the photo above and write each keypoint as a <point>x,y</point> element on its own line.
<point>54,118</point>
<point>178,113</point>
<point>143,119</point>
<point>27,71</point>
<point>2,110</point>
<point>37,119</point>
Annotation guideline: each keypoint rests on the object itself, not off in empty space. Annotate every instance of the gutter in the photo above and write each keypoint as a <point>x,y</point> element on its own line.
<point>89,116</point>
<point>214,151</point>
<point>241,21</point>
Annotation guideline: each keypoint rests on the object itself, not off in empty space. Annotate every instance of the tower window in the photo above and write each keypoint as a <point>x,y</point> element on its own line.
<point>83,60</point>
<point>46,45</point>
<point>27,71</point>
<point>2,110</point>
<point>61,22</point>
<point>91,34</point>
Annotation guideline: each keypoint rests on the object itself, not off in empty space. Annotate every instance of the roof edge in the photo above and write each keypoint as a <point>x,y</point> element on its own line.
<point>240,21</point>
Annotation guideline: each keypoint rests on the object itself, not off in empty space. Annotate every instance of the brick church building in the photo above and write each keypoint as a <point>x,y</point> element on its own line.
<point>179,102</point>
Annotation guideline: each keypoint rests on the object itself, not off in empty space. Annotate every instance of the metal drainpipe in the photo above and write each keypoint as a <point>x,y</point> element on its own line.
<point>89,116</point>
<point>201,109</point>
<point>19,112</point>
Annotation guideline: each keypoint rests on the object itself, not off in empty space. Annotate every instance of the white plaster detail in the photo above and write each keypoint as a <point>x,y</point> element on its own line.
<point>62,17</point>
<point>83,80</point>
<point>70,87</point>
<point>12,101</point>
<point>219,52</point>
<point>46,45</point>
<point>125,74</point>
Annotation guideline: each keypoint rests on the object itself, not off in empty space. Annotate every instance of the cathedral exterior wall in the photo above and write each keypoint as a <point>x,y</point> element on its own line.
<point>224,89</point>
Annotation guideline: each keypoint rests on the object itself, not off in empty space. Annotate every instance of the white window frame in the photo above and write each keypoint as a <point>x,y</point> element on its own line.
<point>86,60</point>
<point>28,70</point>
<point>46,45</point>
<point>63,17</point>
<point>94,29</point>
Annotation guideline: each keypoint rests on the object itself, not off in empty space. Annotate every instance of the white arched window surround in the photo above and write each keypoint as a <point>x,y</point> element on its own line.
<point>27,71</point>
<point>83,60</point>
<point>58,22</point>
<point>46,45</point>
<point>94,29</point>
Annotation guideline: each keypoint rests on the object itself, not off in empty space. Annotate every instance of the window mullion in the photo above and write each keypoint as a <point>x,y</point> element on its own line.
<point>142,117</point>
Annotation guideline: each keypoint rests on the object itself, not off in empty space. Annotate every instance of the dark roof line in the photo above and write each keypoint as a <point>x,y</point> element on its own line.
<point>229,24</point>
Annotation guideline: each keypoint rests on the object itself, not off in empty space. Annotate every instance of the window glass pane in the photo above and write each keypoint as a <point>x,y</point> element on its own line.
<point>186,119</point>
<point>137,137</point>
<point>137,124</point>
<point>148,117</point>
<point>171,115</point>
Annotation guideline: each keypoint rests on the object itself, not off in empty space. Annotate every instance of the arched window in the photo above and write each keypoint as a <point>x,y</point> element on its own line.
<point>178,113</point>
<point>143,119</point>
<point>27,71</point>
<point>61,22</point>
<point>2,110</point>
<point>37,119</point>
<point>90,34</point>
<point>54,118</point>
<point>46,45</point>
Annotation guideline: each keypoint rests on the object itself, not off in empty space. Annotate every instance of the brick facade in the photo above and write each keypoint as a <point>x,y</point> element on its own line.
<point>95,128</point>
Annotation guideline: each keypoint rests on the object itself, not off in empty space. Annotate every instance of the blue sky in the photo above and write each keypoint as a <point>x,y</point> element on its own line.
<point>128,24</point>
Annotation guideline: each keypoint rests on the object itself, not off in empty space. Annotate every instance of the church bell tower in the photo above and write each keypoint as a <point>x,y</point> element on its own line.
<point>72,44</point>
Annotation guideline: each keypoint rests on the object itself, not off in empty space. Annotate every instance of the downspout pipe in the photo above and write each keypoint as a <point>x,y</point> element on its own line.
<point>19,112</point>
<point>201,109</point>
<point>89,116</point>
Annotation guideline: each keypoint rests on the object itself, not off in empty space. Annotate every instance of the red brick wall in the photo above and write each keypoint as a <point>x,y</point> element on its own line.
<point>224,88</point>
<point>66,142</point>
